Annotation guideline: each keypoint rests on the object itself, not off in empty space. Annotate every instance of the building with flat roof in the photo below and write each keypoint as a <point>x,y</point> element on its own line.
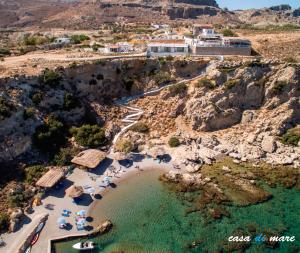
<point>167,47</point>
<point>206,43</point>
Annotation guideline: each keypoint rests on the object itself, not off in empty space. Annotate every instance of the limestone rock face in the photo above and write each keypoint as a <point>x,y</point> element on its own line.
<point>268,144</point>
<point>239,94</point>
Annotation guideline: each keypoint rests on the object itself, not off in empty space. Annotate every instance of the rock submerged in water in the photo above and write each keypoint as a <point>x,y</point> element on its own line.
<point>103,228</point>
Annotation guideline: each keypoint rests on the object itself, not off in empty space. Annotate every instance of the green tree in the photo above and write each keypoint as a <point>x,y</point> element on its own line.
<point>33,173</point>
<point>70,101</point>
<point>37,98</point>
<point>5,108</point>
<point>89,136</point>
<point>65,155</point>
<point>28,113</point>
<point>50,135</point>
<point>50,77</point>
<point>78,38</point>
<point>4,222</point>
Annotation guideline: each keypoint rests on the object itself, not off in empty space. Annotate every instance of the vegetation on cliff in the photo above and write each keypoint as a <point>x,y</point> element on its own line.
<point>49,136</point>
<point>91,136</point>
<point>292,136</point>
<point>124,145</point>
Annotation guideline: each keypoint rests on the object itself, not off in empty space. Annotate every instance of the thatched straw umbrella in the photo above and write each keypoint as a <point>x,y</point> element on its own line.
<point>74,191</point>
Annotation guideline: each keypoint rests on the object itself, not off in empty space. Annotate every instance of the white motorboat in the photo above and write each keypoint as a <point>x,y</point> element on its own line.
<point>88,245</point>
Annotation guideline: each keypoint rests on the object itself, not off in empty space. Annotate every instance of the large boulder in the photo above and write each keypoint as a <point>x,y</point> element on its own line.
<point>268,144</point>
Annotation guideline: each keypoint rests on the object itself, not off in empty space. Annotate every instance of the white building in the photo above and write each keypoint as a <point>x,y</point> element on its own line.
<point>167,47</point>
<point>207,42</point>
<point>62,41</point>
<point>121,47</point>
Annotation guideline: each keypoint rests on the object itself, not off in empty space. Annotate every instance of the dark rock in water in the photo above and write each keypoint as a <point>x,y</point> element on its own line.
<point>102,228</point>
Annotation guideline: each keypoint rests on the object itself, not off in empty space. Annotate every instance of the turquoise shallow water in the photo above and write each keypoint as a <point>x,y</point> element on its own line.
<point>147,217</point>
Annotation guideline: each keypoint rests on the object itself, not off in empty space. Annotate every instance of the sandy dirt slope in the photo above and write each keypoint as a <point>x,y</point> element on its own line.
<point>275,44</point>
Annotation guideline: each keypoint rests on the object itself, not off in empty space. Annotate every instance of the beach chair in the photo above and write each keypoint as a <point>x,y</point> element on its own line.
<point>79,227</point>
<point>66,213</point>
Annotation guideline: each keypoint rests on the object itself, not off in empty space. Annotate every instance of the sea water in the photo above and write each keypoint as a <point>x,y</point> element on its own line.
<point>148,217</point>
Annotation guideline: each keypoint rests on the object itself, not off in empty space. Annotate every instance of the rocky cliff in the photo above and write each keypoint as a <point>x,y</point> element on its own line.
<point>26,102</point>
<point>239,109</point>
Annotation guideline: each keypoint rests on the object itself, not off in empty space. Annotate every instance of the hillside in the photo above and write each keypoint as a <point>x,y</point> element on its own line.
<point>91,14</point>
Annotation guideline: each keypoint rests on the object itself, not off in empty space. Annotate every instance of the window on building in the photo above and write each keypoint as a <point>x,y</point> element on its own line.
<point>167,49</point>
<point>154,49</point>
<point>179,49</point>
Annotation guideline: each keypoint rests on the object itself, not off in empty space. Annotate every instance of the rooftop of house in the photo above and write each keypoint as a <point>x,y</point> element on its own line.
<point>171,41</point>
<point>235,39</point>
<point>203,26</point>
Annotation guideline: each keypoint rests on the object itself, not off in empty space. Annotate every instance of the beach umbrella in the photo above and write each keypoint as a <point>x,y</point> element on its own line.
<point>106,179</point>
<point>91,190</point>
<point>74,191</point>
<point>61,221</point>
<point>81,213</point>
<point>81,222</point>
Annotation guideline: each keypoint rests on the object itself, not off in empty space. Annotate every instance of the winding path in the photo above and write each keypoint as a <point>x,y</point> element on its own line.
<point>135,113</point>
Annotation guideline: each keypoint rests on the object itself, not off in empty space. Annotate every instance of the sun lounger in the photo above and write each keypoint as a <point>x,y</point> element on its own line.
<point>66,213</point>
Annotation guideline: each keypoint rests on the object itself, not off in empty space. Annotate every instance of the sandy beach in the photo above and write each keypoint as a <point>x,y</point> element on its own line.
<point>58,201</point>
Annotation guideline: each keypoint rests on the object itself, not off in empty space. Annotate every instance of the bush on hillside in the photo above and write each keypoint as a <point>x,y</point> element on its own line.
<point>33,173</point>
<point>179,88</point>
<point>232,83</point>
<point>4,222</point>
<point>162,78</point>
<point>65,155</point>
<point>292,136</point>
<point>140,127</point>
<point>70,102</point>
<point>5,108</point>
<point>50,135</point>
<point>128,83</point>
<point>28,113</point>
<point>124,145</point>
<point>278,87</point>
<point>290,59</point>
<point>173,142</point>
<point>78,38</point>
<point>91,136</point>
<point>204,82</point>
<point>4,52</point>
<point>50,77</point>
<point>228,33</point>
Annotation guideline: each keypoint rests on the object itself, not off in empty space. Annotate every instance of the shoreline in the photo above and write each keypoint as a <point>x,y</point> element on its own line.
<point>127,176</point>
<point>60,201</point>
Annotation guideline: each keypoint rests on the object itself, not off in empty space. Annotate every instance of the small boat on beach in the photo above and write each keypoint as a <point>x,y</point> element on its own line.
<point>27,250</point>
<point>88,245</point>
<point>35,239</point>
<point>40,227</point>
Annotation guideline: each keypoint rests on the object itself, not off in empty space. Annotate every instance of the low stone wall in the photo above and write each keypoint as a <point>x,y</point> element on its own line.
<point>30,237</point>
<point>103,228</point>
<point>246,51</point>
